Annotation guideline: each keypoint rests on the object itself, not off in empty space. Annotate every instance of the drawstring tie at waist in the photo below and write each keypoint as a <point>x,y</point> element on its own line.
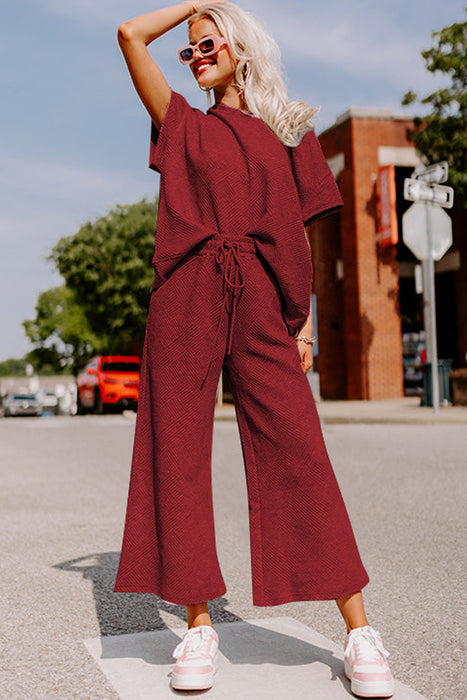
<point>233,280</point>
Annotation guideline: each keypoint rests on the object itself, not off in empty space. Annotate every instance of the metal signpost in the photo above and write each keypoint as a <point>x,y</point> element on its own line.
<point>427,231</point>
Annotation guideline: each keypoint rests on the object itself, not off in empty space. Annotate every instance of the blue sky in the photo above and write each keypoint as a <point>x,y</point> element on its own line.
<point>75,137</point>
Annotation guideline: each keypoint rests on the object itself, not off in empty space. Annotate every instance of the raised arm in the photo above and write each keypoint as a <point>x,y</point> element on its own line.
<point>134,37</point>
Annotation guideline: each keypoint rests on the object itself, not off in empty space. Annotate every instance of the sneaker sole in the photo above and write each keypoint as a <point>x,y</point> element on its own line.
<point>193,682</point>
<point>370,689</point>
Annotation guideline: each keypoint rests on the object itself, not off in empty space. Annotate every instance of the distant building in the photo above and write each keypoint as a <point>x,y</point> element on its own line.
<point>366,296</point>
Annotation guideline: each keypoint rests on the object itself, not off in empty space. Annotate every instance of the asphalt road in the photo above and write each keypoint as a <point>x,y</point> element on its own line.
<point>63,488</point>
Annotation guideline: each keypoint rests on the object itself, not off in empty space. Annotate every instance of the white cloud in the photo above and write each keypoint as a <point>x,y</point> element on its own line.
<point>104,11</point>
<point>30,186</point>
<point>360,38</point>
<point>41,202</point>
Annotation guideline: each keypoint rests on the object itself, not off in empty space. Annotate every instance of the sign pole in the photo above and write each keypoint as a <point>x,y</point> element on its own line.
<point>426,309</point>
<point>432,312</point>
<point>427,231</point>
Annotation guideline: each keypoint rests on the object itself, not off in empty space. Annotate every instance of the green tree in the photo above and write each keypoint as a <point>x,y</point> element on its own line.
<point>60,333</point>
<point>13,367</point>
<point>107,265</point>
<point>442,133</point>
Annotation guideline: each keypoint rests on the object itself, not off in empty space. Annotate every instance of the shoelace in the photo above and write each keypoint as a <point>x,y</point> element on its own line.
<point>368,651</point>
<point>191,642</point>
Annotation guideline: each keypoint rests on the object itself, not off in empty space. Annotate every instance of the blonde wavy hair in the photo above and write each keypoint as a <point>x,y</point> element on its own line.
<point>259,75</point>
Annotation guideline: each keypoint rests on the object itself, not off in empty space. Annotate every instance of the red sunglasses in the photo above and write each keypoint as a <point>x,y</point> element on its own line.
<point>208,45</point>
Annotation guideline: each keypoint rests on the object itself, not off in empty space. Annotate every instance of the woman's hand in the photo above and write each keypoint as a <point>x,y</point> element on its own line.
<point>306,354</point>
<point>306,349</point>
<point>199,3</point>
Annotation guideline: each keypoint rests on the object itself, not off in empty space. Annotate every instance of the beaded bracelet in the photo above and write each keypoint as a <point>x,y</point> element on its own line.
<point>306,339</point>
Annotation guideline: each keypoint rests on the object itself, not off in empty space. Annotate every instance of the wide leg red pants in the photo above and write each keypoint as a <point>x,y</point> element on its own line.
<point>221,304</point>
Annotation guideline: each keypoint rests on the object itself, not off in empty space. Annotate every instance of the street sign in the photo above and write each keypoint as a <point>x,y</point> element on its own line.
<point>438,172</point>
<point>427,231</point>
<point>416,190</point>
<point>415,231</point>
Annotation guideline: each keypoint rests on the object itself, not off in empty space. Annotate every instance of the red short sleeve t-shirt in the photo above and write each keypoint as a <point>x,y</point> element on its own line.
<point>226,172</point>
<point>317,190</point>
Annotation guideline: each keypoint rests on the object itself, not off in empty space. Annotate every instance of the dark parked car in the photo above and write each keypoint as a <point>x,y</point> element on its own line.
<point>21,405</point>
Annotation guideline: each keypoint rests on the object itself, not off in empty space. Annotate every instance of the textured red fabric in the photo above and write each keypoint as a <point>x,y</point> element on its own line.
<point>302,544</point>
<point>226,171</point>
<point>219,300</point>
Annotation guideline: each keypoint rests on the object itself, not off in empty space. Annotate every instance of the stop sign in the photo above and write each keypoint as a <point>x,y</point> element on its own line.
<point>415,230</point>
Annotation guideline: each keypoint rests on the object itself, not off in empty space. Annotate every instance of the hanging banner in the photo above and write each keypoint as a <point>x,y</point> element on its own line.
<point>387,217</point>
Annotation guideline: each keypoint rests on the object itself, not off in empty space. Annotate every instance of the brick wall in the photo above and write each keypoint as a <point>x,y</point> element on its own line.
<point>360,352</point>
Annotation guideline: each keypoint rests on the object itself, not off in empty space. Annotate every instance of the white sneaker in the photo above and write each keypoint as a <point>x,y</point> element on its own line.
<point>196,659</point>
<point>365,664</point>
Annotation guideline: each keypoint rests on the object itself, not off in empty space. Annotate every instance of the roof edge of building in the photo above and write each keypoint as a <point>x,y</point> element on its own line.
<point>368,113</point>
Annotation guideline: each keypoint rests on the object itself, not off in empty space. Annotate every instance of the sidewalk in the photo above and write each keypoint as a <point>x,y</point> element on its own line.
<point>267,659</point>
<point>396,411</point>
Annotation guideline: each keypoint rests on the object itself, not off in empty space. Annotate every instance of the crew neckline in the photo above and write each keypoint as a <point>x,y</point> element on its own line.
<point>235,109</point>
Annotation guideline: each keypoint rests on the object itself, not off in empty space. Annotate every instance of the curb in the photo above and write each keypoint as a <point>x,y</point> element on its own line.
<point>228,414</point>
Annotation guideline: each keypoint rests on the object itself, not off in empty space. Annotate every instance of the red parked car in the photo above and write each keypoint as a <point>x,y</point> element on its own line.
<point>109,382</point>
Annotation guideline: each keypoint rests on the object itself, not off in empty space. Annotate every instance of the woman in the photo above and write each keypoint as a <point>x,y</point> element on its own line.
<point>232,289</point>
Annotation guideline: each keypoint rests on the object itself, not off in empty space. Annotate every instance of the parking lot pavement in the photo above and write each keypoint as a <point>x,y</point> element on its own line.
<point>63,488</point>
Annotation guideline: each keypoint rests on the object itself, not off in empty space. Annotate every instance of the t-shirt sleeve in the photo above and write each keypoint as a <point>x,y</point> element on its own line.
<point>172,132</point>
<point>317,189</point>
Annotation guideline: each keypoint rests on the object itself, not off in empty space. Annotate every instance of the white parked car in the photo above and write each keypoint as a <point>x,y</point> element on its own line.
<point>49,401</point>
<point>21,405</point>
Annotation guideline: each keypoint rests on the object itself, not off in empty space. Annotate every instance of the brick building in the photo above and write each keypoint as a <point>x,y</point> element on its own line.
<point>365,292</point>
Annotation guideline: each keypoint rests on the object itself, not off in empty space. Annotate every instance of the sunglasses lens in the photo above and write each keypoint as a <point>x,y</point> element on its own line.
<point>206,46</point>
<point>186,54</point>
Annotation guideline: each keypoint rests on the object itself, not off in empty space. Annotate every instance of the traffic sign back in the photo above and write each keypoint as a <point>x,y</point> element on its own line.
<point>415,230</point>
